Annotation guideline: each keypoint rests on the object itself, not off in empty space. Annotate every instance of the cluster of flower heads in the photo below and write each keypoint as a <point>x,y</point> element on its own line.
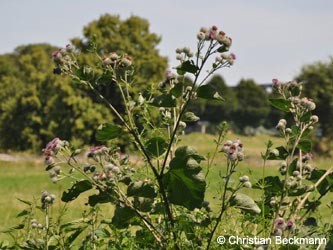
<point>52,149</point>
<point>47,199</point>
<point>34,224</point>
<point>245,180</point>
<point>213,33</point>
<point>183,53</point>
<point>63,58</point>
<point>292,92</point>
<point>233,150</point>
<point>281,227</point>
<point>226,58</point>
<point>303,170</point>
<point>114,59</point>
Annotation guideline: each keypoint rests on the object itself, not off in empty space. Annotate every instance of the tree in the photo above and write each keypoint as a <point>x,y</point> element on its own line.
<point>318,85</point>
<point>252,106</point>
<point>37,105</point>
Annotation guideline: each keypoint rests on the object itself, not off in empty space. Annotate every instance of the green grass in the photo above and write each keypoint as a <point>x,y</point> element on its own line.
<point>26,179</point>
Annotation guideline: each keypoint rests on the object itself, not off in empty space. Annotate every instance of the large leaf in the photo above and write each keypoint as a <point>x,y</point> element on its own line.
<point>281,104</point>
<point>305,146</point>
<point>245,203</point>
<point>209,92</point>
<point>76,232</point>
<point>156,146</point>
<point>187,66</point>
<point>177,90</point>
<point>78,188</point>
<point>306,117</point>
<point>107,131</point>
<point>102,197</point>
<point>271,184</point>
<point>185,182</point>
<point>292,167</point>
<point>123,217</point>
<point>142,189</point>
<point>164,100</point>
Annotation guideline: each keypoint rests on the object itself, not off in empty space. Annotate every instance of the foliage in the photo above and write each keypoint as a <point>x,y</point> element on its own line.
<point>161,199</point>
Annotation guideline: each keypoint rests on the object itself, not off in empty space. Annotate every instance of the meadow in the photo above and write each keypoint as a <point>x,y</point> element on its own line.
<point>25,179</point>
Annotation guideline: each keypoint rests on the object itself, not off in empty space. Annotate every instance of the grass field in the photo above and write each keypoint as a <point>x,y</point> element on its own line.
<point>26,179</point>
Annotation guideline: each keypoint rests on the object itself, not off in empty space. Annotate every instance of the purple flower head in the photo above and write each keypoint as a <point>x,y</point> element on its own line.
<point>275,81</point>
<point>97,150</point>
<point>290,225</point>
<point>56,53</point>
<point>233,56</point>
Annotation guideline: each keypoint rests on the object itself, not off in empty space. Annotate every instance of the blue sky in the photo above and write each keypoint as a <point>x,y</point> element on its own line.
<point>272,38</point>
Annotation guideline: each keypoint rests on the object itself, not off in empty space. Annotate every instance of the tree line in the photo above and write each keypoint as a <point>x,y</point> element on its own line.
<point>37,105</point>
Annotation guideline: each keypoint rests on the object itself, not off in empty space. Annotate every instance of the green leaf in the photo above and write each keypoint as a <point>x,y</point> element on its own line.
<point>142,189</point>
<point>103,197</point>
<point>187,66</point>
<point>298,191</point>
<point>164,100</point>
<point>306,117</point>
<point>102,233</point>
<point>24,201</point>
<point>156,146</point>
<point>282,154</point>
<point>222,49</point>
<point>185,190</point>
<point>78,188</point>
<point>77,231</point>
<point>244,203</point>
<point>294,130</point>
<point>123,217</point>
<point>107,131</point>
<point>11,229</point>
<point>177,90</point>
<point>143,204</point>
<point>305,146</point>
<point>209,92</point>
<point>185,182</point>
<point>292,166</point>
<point>281,104</point>
<point>271,184</point>
<point>22,213</point>
<point>190,117</point>
<point>184,152</point>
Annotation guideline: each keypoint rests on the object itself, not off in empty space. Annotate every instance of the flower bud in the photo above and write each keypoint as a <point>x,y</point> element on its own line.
<point>314,119</point>
<point>126,61</point>
<point>182,125</point>
<point>296,173</point>
<point>247,184</point>
<point>227,41</point>
<point>179,50</point>
<point>240,156</point>
<point>201,36</point>
<point>180,57</point>
<point>244,178</point>
<point>69,48</point>
<point>280,223</point>
<point>141,99</point>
